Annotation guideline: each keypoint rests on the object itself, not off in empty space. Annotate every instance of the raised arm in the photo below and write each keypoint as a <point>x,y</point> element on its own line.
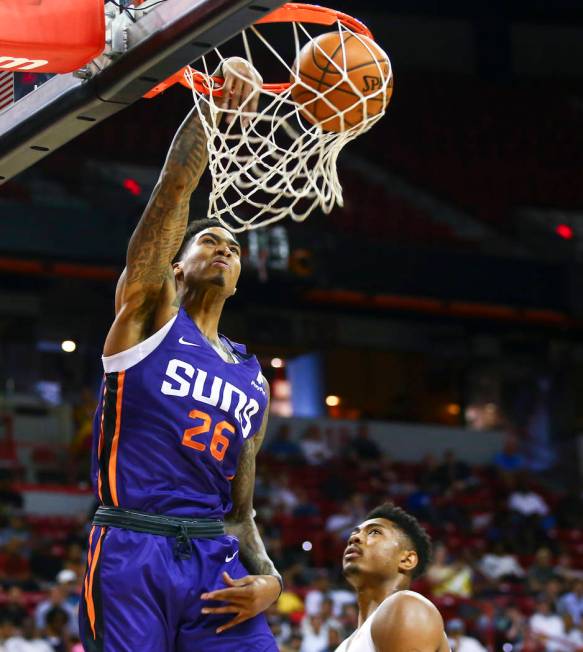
<point>157,238</point>
<point>250,595</point>
<point>146,292</point>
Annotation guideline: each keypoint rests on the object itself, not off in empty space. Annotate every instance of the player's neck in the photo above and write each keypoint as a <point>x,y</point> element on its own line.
<point>370,597</point>
<point>205,309</point>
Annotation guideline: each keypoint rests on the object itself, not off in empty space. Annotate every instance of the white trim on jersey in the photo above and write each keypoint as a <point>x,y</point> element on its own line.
<point>130,357</point>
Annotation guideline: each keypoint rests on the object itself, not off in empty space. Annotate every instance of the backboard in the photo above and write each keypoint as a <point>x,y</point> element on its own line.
<point>145,44</point>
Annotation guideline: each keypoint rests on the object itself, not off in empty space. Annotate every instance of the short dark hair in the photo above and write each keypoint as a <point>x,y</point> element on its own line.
<point>194,227</point>
<point>411,528</point>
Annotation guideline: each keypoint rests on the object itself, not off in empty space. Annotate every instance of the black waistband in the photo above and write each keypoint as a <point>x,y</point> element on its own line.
<point>183,529</point>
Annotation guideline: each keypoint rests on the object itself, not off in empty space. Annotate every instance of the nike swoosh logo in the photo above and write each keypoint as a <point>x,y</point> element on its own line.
<point>231,557</point>
<point>183,341</point>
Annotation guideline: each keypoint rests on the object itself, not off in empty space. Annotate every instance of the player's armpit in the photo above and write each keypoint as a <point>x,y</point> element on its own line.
<point>140,314</point>
<point>407,624</point>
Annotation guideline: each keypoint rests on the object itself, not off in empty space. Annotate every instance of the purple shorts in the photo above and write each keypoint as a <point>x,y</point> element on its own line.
<point>137,595</point>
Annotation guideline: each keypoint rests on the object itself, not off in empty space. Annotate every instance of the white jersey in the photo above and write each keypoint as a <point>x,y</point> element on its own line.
<point>361,640</point>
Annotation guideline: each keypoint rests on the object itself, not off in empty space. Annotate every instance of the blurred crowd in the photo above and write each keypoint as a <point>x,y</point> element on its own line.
<point>507,570</point>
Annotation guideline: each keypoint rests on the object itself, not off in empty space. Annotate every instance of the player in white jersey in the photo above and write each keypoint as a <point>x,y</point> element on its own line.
<point>384,554</point>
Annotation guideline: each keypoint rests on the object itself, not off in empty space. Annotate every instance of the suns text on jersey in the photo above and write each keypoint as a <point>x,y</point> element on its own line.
<point>183,379</point>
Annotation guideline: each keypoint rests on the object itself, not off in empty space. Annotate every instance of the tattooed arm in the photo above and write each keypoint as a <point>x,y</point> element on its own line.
<point>157,239</point>
<point>146,292</point>
<point>250,595</point>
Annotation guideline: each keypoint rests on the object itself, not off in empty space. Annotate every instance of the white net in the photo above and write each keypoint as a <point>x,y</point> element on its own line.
<point>281,161</point>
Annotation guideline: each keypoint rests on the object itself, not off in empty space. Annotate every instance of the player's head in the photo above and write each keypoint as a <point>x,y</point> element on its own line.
<point>387,545</point>
<point>210,255</point>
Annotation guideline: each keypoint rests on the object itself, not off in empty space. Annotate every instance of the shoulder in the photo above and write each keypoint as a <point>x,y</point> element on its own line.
<point>406,621</point>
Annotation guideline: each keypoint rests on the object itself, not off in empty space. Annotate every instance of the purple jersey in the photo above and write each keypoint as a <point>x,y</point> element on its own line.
<point>172,421</point>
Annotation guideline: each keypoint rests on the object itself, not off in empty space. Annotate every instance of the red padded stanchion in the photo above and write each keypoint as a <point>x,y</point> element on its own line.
<point>50,35</point>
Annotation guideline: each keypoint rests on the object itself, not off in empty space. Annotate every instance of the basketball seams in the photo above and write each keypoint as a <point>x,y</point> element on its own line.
<point>325,71</point>
<point>346,105</point>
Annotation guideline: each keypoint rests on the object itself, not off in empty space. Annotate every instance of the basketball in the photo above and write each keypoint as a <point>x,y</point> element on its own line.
<point>351,71</point>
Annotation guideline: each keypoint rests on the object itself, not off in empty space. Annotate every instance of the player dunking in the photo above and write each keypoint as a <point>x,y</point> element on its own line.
<point>383,555</point>
<point>182,417</point>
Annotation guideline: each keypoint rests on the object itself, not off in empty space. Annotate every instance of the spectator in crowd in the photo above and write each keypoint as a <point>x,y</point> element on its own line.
<point>279,625</point>
<point>510,627</point>
<point>525,501</point>
<point>509,460</point>
<point>315,634</point>
<point>283,498</point>
<point>283,448</point>
<point>343,605</point>
<point>14,609</point>
<point>352,511</point>
<point>571,603</point>
<point>305,506</point>
<point>26,639</point>
<point>293,645</point>
<point>335,637</point>
<point>56,631</point>
<point>289,602</point>
<point>57,598</point>
<point>314,449</point>
<point>315,597</point>
<point>362,449</point>
<point>530,516</point>
<point>70,583</point>
<point>420,503</point>
<point>542,571</point>
<point>75,559</point>
<point>552,591</point>
<point>564,568</point>
<point>14,566</point>
<point>458,640</point>
<point>546,627</point>
<point>349,617</point>
<point>17,529</point>
<point>327,613</point>
<point>449,577</point>
<point>500,564</point>
<point>452,475</point>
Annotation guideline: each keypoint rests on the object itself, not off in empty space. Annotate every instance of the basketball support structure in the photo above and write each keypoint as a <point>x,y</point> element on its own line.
<point>169,37</point>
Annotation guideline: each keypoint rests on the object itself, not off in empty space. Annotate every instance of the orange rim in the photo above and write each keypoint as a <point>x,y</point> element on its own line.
<point>291,12</point>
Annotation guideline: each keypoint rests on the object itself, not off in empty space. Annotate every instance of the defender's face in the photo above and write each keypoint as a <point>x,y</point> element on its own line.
<point>213,258</point>
<point>376,548</point>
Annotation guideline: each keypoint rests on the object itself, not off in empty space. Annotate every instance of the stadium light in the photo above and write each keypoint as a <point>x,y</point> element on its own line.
<point>68,346</point>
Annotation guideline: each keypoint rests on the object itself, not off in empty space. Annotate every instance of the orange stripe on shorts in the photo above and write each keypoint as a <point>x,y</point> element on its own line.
<point>89,557</point>
<point>89,601</point>
<point>112,471</point>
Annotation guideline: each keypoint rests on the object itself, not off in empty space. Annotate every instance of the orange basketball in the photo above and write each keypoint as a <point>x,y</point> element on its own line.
<point>325,65</point>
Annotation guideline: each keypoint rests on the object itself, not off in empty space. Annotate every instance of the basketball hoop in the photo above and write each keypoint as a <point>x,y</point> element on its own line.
<point>282,161</point>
